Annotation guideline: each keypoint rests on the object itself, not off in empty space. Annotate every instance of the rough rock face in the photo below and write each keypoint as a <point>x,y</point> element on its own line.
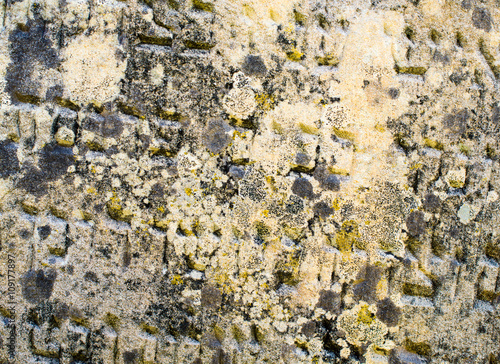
<point>254,181</point>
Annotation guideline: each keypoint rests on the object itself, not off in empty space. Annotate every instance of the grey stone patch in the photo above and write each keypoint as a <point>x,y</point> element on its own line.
<point>302,159</point>
<point>309,329</point>
<point>393,93</point>
<point>327,180</point>
<point>112,126</point>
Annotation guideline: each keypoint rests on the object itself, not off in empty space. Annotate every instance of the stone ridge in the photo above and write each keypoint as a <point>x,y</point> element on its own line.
<point>227,181</point>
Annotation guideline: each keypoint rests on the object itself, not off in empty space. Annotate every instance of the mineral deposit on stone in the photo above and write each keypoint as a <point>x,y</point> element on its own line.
<point>249,181</point>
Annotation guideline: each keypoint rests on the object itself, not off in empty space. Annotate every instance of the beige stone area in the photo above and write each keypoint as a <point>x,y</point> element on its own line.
<point>189,181</point>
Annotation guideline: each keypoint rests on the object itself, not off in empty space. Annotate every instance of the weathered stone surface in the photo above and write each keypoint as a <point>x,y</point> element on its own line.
<point>255,181</point>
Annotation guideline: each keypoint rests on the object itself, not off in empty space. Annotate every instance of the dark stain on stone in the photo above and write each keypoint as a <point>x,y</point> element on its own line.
<point>236,172</point>
<point>432,203</point>
<point>9,163</point>
<point>388,312</point>
<point>329,301</point>
<point>33,180</point>
<point>93,123</point>
<point>109,126</point>
<point>131,357</point>
<point>30,49</point>
<point>322,209</point>
<point>302,159</point>
<point>211,297</point>
<point>466,4</point>
<point>55,160</point>
<point>481,18</point>
<point>294,205</point>
<point>61,312</point>
<point>112,126</point>
<point>215,137</point>
<point>220,357</point>
<point>368,278</point>
<point>25,234</point>
<point>37,285</point>
<point>44,231</point>
<point>54,92</point>
<point>309,329</point>
<point>416,223</point>
<point>327,180</point>
<point>302,188</point>
<point>254,66</point>
<point>401,356</point>
<point>457,122</point>
<point>393,93</point>
<point>157,191</point>
<point>91,276</point>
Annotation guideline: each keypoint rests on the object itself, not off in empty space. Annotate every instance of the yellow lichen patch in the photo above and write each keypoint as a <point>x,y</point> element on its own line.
<point>336,204</point>
<point>117,212</point>
<point>176,280</point>
<point>365,315</point>
<point>264,101</point>
<point>58,212</point>
<point>188,191</point>
<point>328,60</point>
<point>287,269</point>
<point>455,183</point>
<point>465,149</point>
<point>419,71</point>
<point>112,320</point>
<point>308,129</point>
<point>153,330</point>
<point>204,6</point>
<point>413,289</point>
<point>272,183</point>
<point>277,127</point>
<point>344,134</point>
<point>361,325</point>
<point>340,171</point>
<point>347,236</point>
<point>195,265</point>
<point>380,128</point>
<point>434,144</point>
<point>420,348</point>
<point>295,55</point>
